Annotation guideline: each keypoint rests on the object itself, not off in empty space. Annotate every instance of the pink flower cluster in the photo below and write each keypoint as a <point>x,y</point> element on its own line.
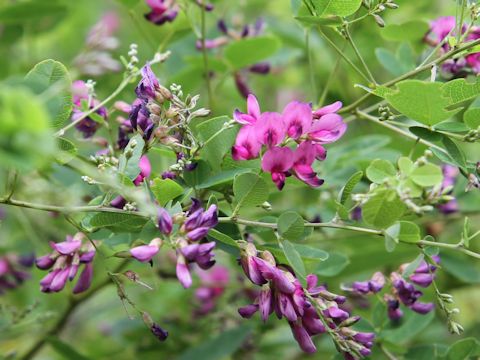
<point>293,139</point>
<point>64,263</point>
<point>308,311</point>
<point>213,283</point>
<point>12,271</point>
<point>445,26</point>
<point>189,243</point>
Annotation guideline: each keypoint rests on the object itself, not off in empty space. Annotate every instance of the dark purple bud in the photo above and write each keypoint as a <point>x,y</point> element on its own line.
<point>422,308</point>
<point>222,26</point>
<point>423,280</point>
<point>44,262</point>
<point>158,332</point>
<point>165,222</point>
<point>168,175</point>
<point>119,202</point>
<point>85,279</point>
<point>148,84</point>
<point>190,251</point>
<point>337,313</point>
<point>241,84</point>
<point>198,233</point>
<point>260,68</point>
<point>248,311</point>
<point>209,217</point>
<point>364,338</point>
<point>303,338</point>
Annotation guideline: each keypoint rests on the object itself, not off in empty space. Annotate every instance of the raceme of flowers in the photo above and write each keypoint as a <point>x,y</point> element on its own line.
<point>444,27</point>
<point>66,260</point>
<point>84,100</point>
<point>13,270</point>
<point>188,240</point>
<point>307,310</point>
<point>403,290</point>
<point>292,140</point>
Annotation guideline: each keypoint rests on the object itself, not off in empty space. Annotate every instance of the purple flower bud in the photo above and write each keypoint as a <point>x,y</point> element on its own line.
<point>423,280</point>
<point>364,338</point>
<point>209,217</point>
<point>260,68</point>
<point>118,203</point>
<point>73,271</point>
<point>198,233</point>
<point>85,279</point>
<point>158,332</point>
<point>165,223</point>
<point>144,253</point>
<point>265,303</point>
<point>337,313</point>
<point>87,257</point>
<point>44,262</point>
<point>222,26</point>
<point>183,273</point>
<point>303,338</point>
<point>422,308</point>
<point>67,247</point>
<point>148,84</point>
<point>59,281</point>
<point>248,311</point>
<point>168,175</point>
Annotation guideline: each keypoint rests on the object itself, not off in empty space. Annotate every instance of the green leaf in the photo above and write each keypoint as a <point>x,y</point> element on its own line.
<point>293,258</point>
<point>219,347</point>
<point>65,350</point>
<point>413,30</point>
<point>215,149</point>
<point>460,90</point>
<point>117,222</point>
<point>332,266</point>
<point>471,117</point>
<point>421,101</point>
<point>462,349</point>
<point>389,61</point>
<point>311,253</point>
<point>129,167</point>
<point>383,208</point>
<point>313,20</point>
<point>425,133</point>
<point>405,165</point>
<point>290,225</point>
<point>222,178</point>
<point>249,190</point>
<point>68,150</point>
<point>51,75</point>
<point>409,232</point>
<point>336,7</point>
<point>229,244</point>
<point>455,152</point>
<point>451,126</point>
<point>427,175</point>
<point>349,186</point>
<point>461,268</point>
<point>379,170</point>
<point>412,325</point>
<point>391,237</point>
<point>249,51</point>
<point>165,190</point>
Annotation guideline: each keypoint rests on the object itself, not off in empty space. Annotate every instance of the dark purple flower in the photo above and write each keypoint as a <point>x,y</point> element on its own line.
<point>164,221</point>
<point>158,332</point>
<point>12,271</point>
<point>162,11</point>
<point>148,84</point>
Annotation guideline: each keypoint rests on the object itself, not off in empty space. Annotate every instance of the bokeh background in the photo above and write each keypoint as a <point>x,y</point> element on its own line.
<point>100,328</point>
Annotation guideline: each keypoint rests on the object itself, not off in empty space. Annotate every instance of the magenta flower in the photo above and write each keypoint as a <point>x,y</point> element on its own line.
<point>253,112</point>
<point>145,170</point>
<point>304,157</point>
<point>247,146</point>
<point>64,262</point>
<point>278,161</point>
<point>297,117</point>
<point>298,127</point>
<point>162,11</point>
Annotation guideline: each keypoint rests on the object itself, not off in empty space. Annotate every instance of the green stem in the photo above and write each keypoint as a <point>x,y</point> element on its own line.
<point>359,55</point>
<point>330,78</point>
<point>456,247</point>
<point>205,58</point>
<point>460,22</point>
<point>414,72</point>
<point>310,64</point>
<point>63,319</point>
<point>86,114</point>
<point>340,52</point>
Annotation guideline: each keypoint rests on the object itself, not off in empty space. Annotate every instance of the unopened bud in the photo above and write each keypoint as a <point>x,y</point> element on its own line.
<point>379,20</point>
<point>266,206</point>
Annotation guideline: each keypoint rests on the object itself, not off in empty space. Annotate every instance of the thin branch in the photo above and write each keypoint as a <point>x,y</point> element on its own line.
<point>359,55</point>
<point>412,73</point>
